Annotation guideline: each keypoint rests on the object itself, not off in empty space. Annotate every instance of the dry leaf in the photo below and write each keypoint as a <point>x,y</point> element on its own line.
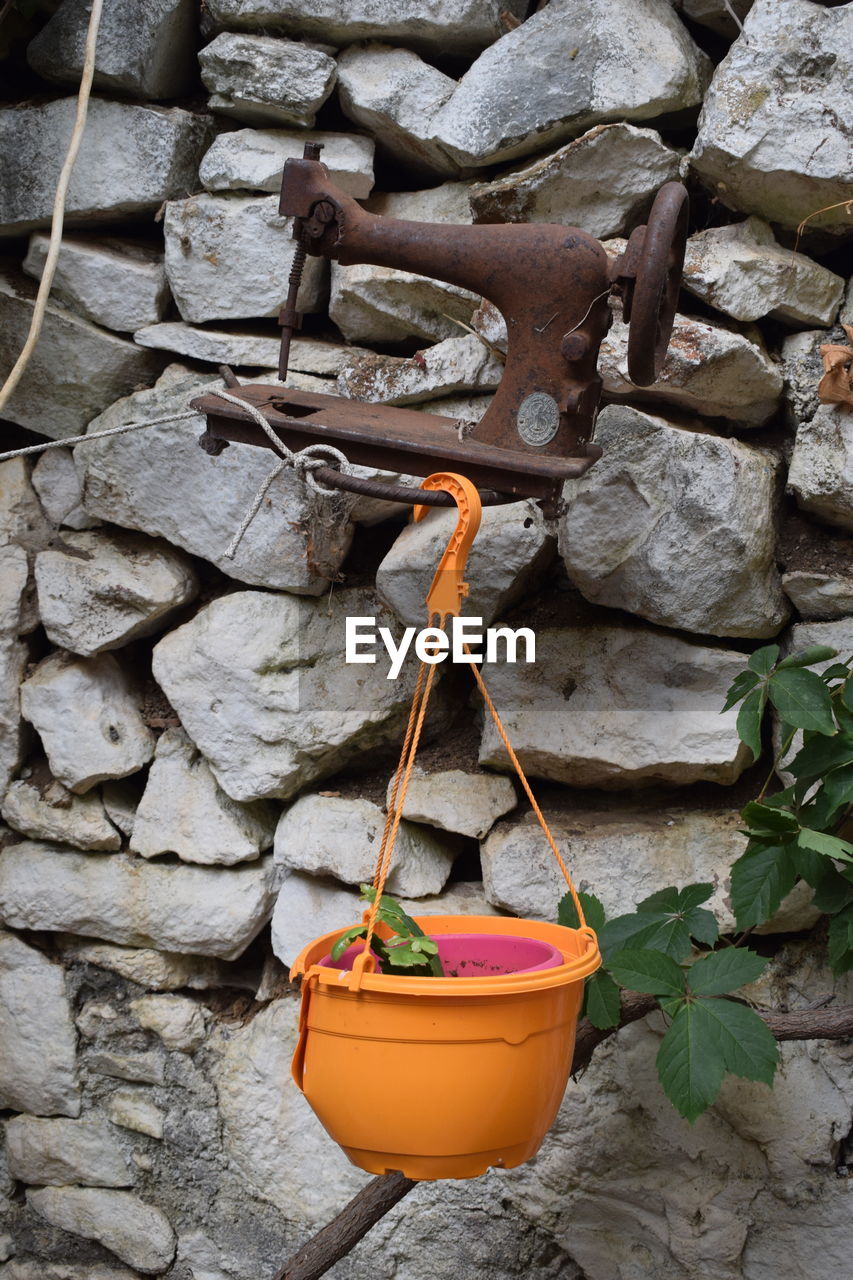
<point>836,385</point>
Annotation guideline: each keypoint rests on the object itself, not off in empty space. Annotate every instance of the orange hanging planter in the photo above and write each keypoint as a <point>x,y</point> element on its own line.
<point>442,1077</point>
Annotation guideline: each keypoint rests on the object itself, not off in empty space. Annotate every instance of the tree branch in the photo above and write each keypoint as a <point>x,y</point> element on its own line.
<point>336,1240</point>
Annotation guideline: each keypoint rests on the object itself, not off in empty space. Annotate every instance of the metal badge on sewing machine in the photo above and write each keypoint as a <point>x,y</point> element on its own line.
<point>551,284</point>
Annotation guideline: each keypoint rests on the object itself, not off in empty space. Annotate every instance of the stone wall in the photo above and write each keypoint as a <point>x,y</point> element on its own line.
<point>193,781</point>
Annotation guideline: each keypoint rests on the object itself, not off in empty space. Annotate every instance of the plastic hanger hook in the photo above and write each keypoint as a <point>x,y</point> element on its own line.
<point>449,588</point>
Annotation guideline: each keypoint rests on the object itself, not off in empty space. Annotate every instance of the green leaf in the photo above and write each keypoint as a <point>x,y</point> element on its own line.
<point>838,790</point>
<point>829,846</point>
<point>648,971</point>
<point>666,900</point>
<point>592,909</point>
<point>847,695</point>
<point>603,1007</point>
<point>838,671</point>
<point>760,879</point>
<point>765,817</point>
<point>619,931</point>
<point>689,1062</point>
<point>802,700</point>
<point>820,756</point>
<point>693,895</point>
<point>726,970</point>
<point>665,933</point>
<point>749,720</point>
<point>740,687</point>
<point>841,941</point>
<point>763,660</point>
<point>744,1040</point>
<point>832,890</point>
<point>702,925</point>
<point>347,939</point>
<point>808,657</point>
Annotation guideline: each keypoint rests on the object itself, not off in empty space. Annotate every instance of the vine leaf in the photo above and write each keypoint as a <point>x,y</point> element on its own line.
<point>690,1062</point>
<point>603,1006</point>
<point>802,700</point>
<point>841,941</point>
<point>760,879</point>
<point>726,970</point>
<point>749,720</point>
<point>745,1042</point>
<point>650,971</point>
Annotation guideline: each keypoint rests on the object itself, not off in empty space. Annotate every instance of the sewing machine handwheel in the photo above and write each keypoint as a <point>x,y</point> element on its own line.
<point>654,295</point>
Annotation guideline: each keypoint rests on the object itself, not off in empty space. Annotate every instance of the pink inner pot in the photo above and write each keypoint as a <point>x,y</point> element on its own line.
<point>477,955</point>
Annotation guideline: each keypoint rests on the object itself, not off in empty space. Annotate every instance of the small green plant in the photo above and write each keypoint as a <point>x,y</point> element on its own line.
<point>408,952</point>
<point>669,947</point>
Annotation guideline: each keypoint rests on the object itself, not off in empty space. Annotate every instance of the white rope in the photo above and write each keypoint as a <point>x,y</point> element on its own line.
<point>58,207</point>
<point>95,435</point>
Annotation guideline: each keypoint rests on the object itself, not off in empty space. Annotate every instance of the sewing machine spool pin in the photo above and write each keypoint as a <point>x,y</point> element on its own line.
<point>550,283</point>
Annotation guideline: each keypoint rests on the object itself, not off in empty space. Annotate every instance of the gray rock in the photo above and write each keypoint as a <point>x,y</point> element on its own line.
<point>307,908</point>
<point>22,519</point>
<point>192,910</point>
<point>99,590</point>
<point>846,314</point>
<point>133,1109</point>
<point>242,672</point>
<point>772,133</point>
<point>822,596</point>
<point>147,52</point>
<point>574,64</point>
<point>455,365</point>
<point>60,489</point>
<point>121,797</point>
<point>442,26</point>
<point>742,270</point>
<point>340,837</point>
<point>54,813</point>
<point>229,257</point>
<point>452,800</point>
<point>97,367</point>
<point>514,549</point>
<point>802,368</point>
<point>708,369</point>
<point>253,159</point>
<point>158,160</point>
<point>261,79</point>
<point>120,284</point>
<point>603,182</point>
<point>57,1152</point>
<point>183,811</point>
<point>86,713</point>
<point>154,970</point>
<point>134,1231</point>
<point>159,481</point>
<point>178,1021</point>
<point>821,471</point>
<point>394,94</point>
<point>657,492</point>
<point>257,349</point>
<point>13,654</point>
<point>617,707</point>
<point>38,1069</point>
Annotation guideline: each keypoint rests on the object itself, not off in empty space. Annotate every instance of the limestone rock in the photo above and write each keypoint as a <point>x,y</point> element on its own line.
<point>86,712</point>
<point>442,26</point>
<point>622,853</point>
<point>822,596</point>
<point>54,813</point>
<point>617,707</point>
<point>455,365</point>
<point>160,482</point>
<point>120,284</point>
<point>57,1152</point>
<point>708,370</point>
<point>38,1070</point>
<point>60,489</point>
<point>340,837</point>
<point>574,64</point>
<point>657,492</point>
<point>144,1068</point>
<point>121,797</point>
<point>147,52</point>
<point>39,1270</point>
<point>134,1231</point>
<point>253,159</point>
<point>242,673</point>
<point>13,654</point>
<point>229,257</point>
<point>821,471</point>
<point>99,590</point>
<point>257,349</point>
<point>603,182</point>
<point>394,94</point>
<point>772,133</point>
<point>308,907</point>
<point>452,800</point>
<point>184,811</point>
<point>97,366</point>
<point>742,270</point>
<point>193,910</point>
<point>260,78</point>
<point>133,1109</point>
<point>154,970</point>
<point>802,369</point>
<point>22,519</point>
<point>158,160</point>
<point>178,1021</point>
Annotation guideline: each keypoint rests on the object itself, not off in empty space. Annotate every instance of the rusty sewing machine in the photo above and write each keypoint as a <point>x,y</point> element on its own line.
<point>551,284</point>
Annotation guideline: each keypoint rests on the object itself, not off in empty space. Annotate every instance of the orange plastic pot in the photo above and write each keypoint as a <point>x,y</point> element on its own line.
<point>441,1077</point>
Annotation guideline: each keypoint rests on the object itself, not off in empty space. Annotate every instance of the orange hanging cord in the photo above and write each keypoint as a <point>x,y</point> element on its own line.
<point>444,599</point>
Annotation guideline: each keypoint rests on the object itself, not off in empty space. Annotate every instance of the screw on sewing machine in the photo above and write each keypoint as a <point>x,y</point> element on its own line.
<point>289,318</point>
